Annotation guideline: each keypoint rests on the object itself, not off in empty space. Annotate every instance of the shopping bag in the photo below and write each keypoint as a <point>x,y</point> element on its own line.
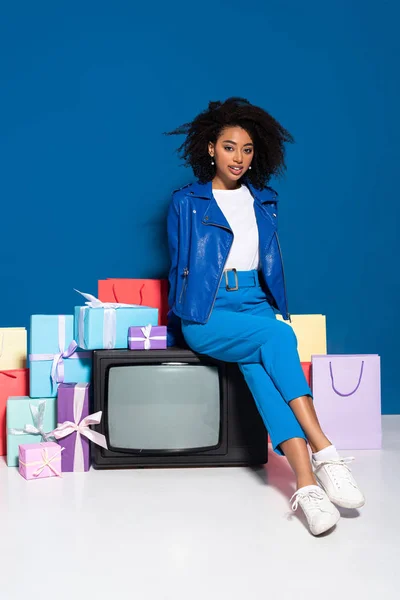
<point>12,383</point>
<point>13,348</point>
<point>347,399</point>
<point>146,292</point>
<point>310,331</point>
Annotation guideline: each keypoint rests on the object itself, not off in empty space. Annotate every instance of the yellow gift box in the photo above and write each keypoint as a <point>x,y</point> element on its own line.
<point>13,348</point>
<point>310,331</point>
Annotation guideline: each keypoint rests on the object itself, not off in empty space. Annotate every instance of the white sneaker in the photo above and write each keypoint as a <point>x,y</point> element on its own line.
<point>338,482</point>
<point>321,514</point>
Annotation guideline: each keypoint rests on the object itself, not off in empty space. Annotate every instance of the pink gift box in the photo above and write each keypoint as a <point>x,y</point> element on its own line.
<point>150,337</point>
<point>40,460</point>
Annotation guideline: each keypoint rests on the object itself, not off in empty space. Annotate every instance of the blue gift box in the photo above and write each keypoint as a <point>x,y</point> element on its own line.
<point>54,356</point>
<point>39,415</point>
<point>106,328</point>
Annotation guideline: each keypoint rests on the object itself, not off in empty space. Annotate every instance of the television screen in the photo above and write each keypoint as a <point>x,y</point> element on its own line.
<point>163,407</point>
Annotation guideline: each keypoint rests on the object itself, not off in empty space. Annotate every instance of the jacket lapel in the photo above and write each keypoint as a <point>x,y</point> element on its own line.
<point>213,214</point>
<point>262,196</point>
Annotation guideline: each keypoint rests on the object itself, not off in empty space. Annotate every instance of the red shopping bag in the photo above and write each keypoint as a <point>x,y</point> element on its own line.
<point>12,383</point>
<point>307,372</point>
<point>146,292</point>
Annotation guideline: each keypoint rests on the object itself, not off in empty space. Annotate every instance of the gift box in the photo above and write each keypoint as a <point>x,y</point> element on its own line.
<point>28,422</point>
<point>104,325</point>
<point>12,348</point>
<point>150,337</point>
<point>144,292</point>
<point>72,407</point>
<point>40,460</point>
<point>12,383</point>
<point>53,357</point>
<point>73,426</point>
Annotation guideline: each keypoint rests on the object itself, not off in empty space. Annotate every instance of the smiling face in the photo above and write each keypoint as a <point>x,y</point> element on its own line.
<point>232,154</point>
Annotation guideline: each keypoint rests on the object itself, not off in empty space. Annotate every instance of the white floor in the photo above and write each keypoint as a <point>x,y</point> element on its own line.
<point>218,533</point>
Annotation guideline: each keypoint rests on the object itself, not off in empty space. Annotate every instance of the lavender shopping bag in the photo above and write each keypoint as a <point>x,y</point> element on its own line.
<point>347,399</point>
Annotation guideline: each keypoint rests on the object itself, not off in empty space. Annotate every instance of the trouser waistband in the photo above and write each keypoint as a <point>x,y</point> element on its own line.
<point>232,279</point>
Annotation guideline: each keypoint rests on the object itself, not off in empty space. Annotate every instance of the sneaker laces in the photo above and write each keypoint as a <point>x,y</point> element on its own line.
<point>313,496</point>
<point>336,468</point>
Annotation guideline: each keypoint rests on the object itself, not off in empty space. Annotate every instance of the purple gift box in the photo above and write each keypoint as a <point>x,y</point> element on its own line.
<point>150,337</point>
<point>72,408</point>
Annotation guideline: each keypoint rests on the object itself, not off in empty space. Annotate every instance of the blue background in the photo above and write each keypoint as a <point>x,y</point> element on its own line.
<point>87,88</point>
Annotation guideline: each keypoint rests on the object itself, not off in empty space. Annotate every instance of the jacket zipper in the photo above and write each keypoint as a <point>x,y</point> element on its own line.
<point>284,280</point>
<point>184,286</point>
<point>222,273</point>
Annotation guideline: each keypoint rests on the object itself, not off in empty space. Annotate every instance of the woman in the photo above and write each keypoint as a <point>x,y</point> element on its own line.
<point>226,281</point>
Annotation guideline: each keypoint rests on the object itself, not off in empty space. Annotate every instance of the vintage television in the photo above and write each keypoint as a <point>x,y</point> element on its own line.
<point>174,408</point>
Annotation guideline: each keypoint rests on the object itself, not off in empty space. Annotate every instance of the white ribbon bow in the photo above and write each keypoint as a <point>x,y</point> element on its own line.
<point>37,413</point>
<point>47,463</point>
<point>110,319</point>
<point>93,302</point>
<point>81,428</point>
<point>146,332</point>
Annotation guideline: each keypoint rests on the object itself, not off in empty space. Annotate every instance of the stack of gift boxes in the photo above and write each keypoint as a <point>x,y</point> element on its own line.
<point>44,410</point>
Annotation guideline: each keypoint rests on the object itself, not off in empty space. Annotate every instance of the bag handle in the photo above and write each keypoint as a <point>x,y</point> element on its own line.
<point>356,388</point>
<point>140,294</point>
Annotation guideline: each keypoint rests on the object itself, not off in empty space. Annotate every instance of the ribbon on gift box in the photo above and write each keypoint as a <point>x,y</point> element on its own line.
<point>147,337</point>
<point>81,427</point>
<point>45,462</point>
<point>57,368</point>
<point>37,413</point>
<point>109,320</point>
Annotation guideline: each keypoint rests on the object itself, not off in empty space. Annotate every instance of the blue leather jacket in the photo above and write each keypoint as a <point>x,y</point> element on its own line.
<point>199,240</point>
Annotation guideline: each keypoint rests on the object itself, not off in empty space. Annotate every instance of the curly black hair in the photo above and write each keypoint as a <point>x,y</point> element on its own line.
<point>266,133</point>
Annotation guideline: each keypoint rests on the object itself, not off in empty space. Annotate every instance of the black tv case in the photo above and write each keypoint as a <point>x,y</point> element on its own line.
<point>243,439</point>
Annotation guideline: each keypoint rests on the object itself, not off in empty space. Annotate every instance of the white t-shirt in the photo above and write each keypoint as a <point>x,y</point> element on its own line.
<point>238,208</point>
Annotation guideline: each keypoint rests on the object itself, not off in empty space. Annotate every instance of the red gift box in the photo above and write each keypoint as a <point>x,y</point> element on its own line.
<point>12,383</point>
<point>146,292</point>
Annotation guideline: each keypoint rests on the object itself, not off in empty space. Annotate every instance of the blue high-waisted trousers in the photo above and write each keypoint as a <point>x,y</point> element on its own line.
<point>243,328</point>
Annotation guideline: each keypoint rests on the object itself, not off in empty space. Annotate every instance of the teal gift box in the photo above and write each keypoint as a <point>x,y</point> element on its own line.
<point>104,325</point>
<point>54,357</point>
<point>28,422</point>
